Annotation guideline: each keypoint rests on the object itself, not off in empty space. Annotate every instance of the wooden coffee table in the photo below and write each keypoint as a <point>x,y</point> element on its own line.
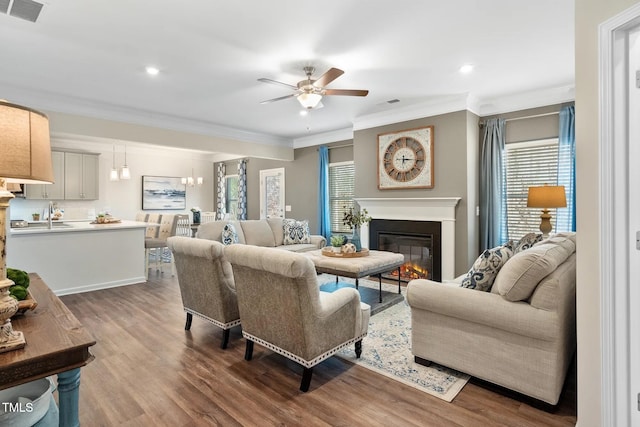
<point>376,263</point>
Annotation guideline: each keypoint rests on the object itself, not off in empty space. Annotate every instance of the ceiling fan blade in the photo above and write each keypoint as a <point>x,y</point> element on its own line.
<point>328,77</point>
<point>345,92</point>
<point>275,82</point>
<point>268,101</point>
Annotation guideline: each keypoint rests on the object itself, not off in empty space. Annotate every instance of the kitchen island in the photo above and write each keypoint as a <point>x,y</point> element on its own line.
<point>75,257</point>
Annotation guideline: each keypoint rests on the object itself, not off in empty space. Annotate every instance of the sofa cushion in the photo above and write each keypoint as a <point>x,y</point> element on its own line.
<point>521,274</point>
<point>485,269</point>
<point>299,247</point>
<point>213,230</point>
<point>296,232</point>
<point>229,235</point>
<point>257,232</point>
<point>277,227</point>
<point>527,241</point>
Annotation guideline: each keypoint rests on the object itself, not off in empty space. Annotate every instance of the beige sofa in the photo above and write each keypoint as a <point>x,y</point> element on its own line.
<point>519,335</point>
<point>261,232</point>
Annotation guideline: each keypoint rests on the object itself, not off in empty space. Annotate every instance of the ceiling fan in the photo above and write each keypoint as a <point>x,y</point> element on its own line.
<point>309,92</point>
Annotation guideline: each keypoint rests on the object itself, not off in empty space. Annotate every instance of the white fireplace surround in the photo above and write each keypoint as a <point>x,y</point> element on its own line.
<point>439,209</point>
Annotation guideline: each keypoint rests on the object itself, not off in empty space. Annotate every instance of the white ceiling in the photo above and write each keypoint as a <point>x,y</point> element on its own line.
<point>89,58</point>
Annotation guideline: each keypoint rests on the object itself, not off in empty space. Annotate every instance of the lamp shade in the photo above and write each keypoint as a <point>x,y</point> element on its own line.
<point>546,197</point>
<point>309,100</point>
<point>25,150</point>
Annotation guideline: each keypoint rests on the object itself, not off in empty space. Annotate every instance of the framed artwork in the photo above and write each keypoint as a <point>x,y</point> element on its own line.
<point>405,159</point>
<point>272,193</point>
<point>163,193</point>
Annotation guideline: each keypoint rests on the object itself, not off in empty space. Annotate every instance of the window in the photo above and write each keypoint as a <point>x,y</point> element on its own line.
<point>231,194</point>
<point>341,193</point>
<point>527,164</point>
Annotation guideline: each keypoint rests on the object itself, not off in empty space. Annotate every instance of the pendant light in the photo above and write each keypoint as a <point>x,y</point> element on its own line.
<point>113,176</point>
<point>125,173</point>
<point>192,180</point>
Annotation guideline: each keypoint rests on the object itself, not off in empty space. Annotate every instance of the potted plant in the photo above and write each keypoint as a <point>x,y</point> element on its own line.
<point>355,220</point>
<point>36,216</point>
<point>337,240</point>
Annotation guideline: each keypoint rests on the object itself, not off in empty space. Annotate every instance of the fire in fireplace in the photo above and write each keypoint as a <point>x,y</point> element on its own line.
<point>416,250</point>
<point>418,241</point>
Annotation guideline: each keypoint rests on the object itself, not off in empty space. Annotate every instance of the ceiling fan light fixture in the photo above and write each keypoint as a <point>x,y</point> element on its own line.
<point>309,100</point>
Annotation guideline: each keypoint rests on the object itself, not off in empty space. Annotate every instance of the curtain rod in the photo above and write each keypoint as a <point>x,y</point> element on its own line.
<point>533,116</point>
<point>527,117</point>
<point>337,146</point>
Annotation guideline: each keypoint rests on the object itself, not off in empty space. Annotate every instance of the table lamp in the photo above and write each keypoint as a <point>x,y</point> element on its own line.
<point>546,197</point>
<point>25,157</point>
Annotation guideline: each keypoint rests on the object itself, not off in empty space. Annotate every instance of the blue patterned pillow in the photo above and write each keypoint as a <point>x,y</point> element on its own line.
<point>296,232</point>
<point>485,269</point>
<point>527,241</point>
<point>229,235</point>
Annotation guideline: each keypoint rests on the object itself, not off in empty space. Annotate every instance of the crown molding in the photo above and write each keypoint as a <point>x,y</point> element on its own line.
<point>436,106</point>
<point>433,107</point>
<point>526,100</point>
<point>48,101</point>
<point>324,138</point>
<point>64,141</point>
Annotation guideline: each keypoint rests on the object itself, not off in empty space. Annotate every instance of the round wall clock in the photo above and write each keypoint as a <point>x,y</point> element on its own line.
<point>405,159</point>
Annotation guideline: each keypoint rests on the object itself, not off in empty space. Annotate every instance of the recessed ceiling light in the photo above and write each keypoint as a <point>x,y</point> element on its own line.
<point>303,112</point>
<point>466,68</point>
<point>152,71</point>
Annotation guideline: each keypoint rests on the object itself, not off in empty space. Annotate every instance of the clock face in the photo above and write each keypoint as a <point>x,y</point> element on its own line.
<point>405,159</point>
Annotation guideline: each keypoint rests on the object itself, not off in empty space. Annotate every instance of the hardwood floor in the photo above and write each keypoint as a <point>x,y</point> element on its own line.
<point>149,371</point>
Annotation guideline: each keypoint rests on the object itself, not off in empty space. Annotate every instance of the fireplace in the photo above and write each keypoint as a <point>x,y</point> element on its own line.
<point>421,209</point>
<point>418,241</point>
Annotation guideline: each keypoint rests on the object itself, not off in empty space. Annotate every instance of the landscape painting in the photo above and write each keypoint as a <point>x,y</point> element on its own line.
<point>163,193</point>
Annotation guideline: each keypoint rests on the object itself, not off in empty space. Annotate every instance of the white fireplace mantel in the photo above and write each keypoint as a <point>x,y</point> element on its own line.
<point>440,209</point>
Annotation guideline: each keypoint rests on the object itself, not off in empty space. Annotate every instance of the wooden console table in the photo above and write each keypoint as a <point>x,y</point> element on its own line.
<point>56,344</point>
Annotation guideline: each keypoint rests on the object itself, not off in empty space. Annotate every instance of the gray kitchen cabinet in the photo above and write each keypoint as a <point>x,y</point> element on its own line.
<point>53,191</point>
<point>81,176</point>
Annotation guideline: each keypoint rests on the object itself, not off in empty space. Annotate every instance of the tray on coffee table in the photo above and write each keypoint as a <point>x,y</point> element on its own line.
<point>329,252</point>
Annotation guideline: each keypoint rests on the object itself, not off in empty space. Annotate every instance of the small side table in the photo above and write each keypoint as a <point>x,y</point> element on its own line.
<point>56,344</point>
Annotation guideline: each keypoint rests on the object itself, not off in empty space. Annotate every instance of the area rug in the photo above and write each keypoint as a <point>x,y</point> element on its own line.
<point>387,350</point>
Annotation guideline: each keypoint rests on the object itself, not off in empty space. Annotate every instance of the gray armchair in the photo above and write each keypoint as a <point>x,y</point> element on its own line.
<point>206,283</point>
<point>282,308</point>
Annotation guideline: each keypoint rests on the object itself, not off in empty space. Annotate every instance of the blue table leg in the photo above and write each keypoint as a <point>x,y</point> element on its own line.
<point>68,395</point>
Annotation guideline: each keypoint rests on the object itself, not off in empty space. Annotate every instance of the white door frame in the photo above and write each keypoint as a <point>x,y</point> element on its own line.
<point>618,403</point>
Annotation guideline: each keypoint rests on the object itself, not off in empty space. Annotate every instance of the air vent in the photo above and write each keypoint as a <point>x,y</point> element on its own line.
<point>393,101</point>
<point>23,9</point>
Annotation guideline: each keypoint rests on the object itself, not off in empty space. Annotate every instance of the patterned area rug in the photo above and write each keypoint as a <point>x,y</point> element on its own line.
<point>387,350</point>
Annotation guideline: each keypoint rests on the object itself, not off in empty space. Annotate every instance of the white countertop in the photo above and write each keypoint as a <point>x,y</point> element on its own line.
<point>75,226</point>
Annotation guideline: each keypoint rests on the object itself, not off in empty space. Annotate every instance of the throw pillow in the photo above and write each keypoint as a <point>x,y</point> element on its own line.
<point>527,241</point>
<point>296,232</point>
<point>521,275</point>
<point>485,269</point>
<point>229,235</point>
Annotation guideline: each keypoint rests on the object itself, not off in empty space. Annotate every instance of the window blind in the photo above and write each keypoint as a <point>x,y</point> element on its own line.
<point>341,193</point>
<point>527,164</point>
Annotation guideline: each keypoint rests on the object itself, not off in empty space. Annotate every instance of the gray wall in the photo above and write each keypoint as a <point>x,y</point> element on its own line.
<point>455,147</point>
<point>529,128</point>
<point>301,180</point>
